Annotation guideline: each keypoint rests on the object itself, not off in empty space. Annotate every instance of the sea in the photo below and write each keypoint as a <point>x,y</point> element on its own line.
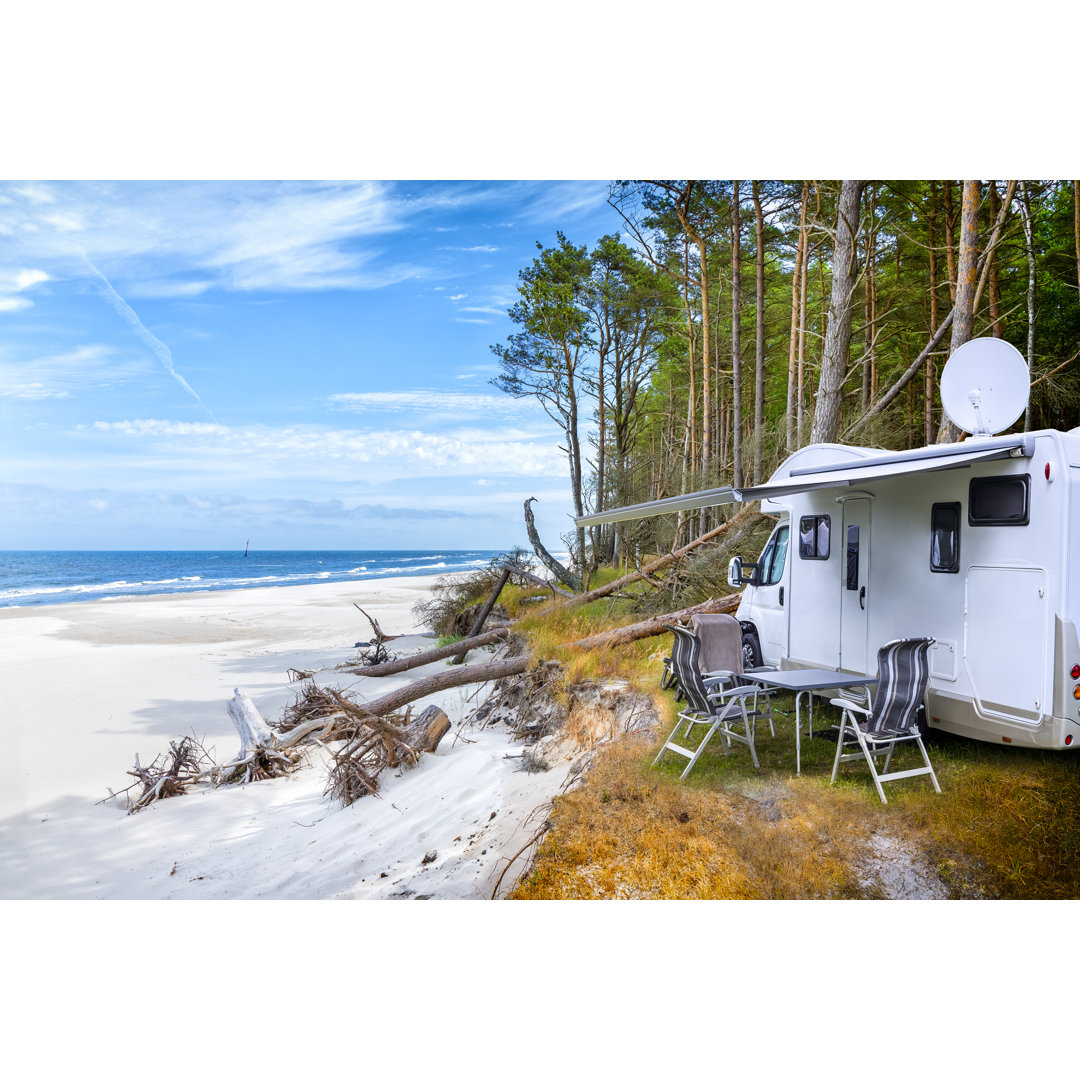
<point>36,578</point>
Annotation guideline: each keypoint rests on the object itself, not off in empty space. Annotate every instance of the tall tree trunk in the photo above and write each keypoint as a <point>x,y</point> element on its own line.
<point>950,240</point>
<point>995,290</point>
<point>759,338</point>
<point>931,227</point>
<point>1029,248</point>
<point>964,308</point>
<point>1076,225</point>
<point>800,407</point>
<point>736,344</point>
<point>600,535</point>
<point>834,357</point>
<point>800,249</point>
<point>869,374</point>
<point>690,458</point>
<point>682,210</point>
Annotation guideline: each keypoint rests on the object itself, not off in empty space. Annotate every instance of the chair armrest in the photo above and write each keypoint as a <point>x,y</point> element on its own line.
<point>734,691</point>
<point>845,703</point>
<point>719,674</point>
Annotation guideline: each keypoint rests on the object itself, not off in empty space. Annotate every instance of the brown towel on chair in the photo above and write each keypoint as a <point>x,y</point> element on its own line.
<point>721,642</point>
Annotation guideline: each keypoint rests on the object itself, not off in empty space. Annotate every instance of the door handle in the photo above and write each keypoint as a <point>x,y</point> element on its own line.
<point>862,597</point>
<point>781,595</point>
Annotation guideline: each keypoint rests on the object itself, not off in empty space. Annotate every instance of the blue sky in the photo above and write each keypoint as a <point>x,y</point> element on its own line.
<point>308,365</point>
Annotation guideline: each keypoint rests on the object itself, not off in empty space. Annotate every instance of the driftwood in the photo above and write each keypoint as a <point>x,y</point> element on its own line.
<point>481,618</point>
<point>167,775</point>
<point>427,730</point>
<point>542,553</point>
<point>744,521</point>
<point>654,626</point>
<point>261,756</point>
<point>429,656</point>
<point>379,745</point>
<point>380,637</point>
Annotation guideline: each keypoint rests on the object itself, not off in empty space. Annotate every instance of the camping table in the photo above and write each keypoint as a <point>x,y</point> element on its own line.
<point>807,681</point>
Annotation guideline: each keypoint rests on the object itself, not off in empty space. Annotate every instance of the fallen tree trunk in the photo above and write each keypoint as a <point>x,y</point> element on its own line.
<point>497,669</point>
<point>516,570</point>
<point>477,626</point>
<point>743,522</point>
<point>654,626</point>
<point>429,656</point>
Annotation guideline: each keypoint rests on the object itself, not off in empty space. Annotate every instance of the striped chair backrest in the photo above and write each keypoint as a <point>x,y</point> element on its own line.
<point>903,671</point>
<point>684,666</point>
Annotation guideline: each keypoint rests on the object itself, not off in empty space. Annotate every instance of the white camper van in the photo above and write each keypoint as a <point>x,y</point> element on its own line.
<point>975,544</point>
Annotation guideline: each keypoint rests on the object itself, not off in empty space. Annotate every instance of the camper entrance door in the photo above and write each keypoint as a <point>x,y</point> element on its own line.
<point>855,585</point>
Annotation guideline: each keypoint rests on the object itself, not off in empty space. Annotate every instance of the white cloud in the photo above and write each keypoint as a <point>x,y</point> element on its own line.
<point>243,236</point>
<point>480,322</point>
<point>459,296</point>
<point>453,403</point>
<point>58,375</point>
<point>165,428</point>
<point>310,450</point>
<point>18,281</point>
<point>485,310</point>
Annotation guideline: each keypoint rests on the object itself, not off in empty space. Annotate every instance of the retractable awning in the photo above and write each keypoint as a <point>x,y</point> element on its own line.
<point>695,500</point>
<point>839,474</point>
<point>880,466</point>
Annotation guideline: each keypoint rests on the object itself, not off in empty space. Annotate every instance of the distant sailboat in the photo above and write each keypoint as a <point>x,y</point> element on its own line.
<point>246,546</point>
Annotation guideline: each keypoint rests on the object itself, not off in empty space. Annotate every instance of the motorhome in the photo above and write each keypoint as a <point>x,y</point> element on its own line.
<point>975,544</point>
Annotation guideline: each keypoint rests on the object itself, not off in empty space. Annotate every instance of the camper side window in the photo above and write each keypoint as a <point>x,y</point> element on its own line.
<point>945,538</point>
<point>998,500</point>
<point>771,566</point>
<point>814,536</point>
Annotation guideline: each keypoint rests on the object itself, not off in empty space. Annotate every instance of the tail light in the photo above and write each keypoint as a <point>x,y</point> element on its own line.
<point>1075,673</point>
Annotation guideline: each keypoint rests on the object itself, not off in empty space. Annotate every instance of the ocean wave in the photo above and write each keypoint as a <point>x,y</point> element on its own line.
<point>49,590</point>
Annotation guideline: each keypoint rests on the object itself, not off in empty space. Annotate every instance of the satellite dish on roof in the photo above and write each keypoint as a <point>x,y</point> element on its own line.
<point>985,386</point>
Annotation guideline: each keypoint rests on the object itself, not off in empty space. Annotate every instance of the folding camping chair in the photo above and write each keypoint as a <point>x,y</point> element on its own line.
<point>715,706</point>
<point>722,657</point>
<point>903,672</point>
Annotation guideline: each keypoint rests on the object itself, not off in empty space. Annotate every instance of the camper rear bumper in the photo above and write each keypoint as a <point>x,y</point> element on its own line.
<point>962,717</point>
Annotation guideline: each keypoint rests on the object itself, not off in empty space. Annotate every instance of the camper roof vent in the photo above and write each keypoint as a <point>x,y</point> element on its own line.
<point>985,386</point>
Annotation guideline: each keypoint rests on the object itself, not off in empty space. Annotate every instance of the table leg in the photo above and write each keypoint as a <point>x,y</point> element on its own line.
<point>798,727</point>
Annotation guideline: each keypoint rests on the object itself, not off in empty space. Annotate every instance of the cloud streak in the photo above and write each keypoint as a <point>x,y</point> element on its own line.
<point>159,348</point>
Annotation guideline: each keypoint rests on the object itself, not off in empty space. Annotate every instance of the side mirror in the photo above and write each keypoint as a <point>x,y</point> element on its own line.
<point>740,573</point>
<point>734,571</point>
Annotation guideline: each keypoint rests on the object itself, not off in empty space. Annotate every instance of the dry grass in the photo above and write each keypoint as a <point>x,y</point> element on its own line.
<point>1007,823</point>
<point>633,832</point>
<point>1006,826</point>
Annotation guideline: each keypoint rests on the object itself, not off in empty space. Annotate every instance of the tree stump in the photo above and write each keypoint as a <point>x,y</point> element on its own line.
<point>427,730</point>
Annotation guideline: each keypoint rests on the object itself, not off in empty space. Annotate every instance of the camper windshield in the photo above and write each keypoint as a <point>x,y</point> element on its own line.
<point>771,564</point>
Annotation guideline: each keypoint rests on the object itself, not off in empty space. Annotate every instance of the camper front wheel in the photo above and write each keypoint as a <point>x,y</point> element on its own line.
<point>751,650</point>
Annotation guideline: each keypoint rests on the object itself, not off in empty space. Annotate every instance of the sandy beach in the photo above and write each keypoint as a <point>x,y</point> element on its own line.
<point>94,684</point>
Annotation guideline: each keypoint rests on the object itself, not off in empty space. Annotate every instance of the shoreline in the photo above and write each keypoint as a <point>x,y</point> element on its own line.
<point>96,682</point>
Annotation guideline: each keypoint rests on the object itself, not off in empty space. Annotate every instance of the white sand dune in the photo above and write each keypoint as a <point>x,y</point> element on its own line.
<point>93,684</point>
